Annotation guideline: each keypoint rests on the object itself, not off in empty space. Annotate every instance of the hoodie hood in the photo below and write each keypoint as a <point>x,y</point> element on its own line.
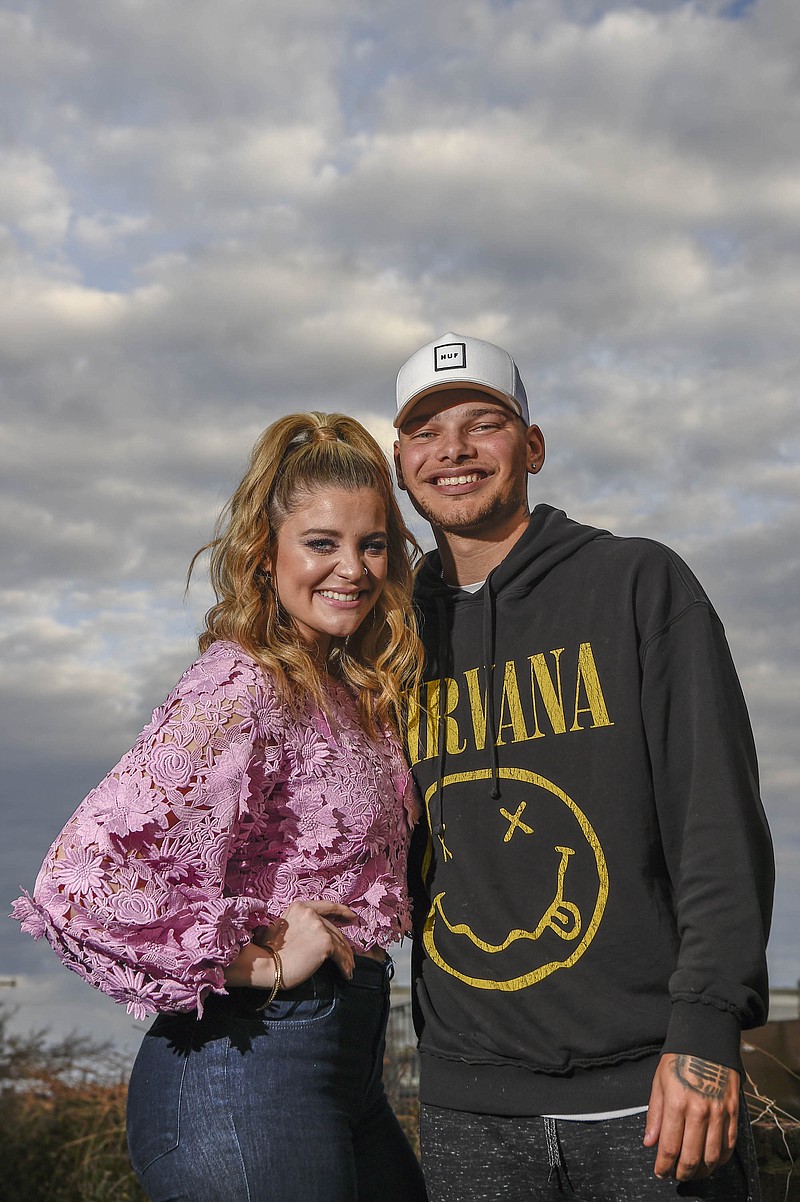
<point>551,537</point>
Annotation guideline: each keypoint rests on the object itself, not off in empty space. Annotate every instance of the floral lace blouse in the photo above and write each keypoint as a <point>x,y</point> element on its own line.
<point>224,812</point>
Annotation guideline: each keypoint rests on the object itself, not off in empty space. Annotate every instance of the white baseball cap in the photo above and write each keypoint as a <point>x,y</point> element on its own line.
<point>457,361</point>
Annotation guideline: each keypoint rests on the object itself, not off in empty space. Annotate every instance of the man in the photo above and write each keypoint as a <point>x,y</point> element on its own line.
<point>593,884</point>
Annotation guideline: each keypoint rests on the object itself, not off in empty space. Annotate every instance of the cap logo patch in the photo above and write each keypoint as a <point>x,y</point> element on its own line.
<point>449,355</point>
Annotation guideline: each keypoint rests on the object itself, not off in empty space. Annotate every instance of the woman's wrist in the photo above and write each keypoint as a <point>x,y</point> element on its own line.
<point>255,967</point>
<point>278,976</point>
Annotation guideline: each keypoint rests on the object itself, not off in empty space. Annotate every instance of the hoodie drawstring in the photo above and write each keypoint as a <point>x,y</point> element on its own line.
<point>437,820</point>
<point>437,825</point>
<point>488,654</point>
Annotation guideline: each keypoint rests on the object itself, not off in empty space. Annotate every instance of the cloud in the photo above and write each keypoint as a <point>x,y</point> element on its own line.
<point>213,215</point>
<point>32,200</point>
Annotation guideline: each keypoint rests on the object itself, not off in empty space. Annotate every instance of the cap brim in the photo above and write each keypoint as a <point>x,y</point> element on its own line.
<point>446,386</point>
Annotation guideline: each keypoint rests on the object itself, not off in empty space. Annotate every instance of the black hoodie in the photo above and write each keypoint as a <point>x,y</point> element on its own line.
<point>593,884</point>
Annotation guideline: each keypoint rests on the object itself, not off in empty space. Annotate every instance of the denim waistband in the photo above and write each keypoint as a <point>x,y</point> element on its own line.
<point>367,974</point>
<point>372,974</point>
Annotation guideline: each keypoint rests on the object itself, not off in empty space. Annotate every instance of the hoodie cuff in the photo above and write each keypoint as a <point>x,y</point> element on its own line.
<point>698,1029</point>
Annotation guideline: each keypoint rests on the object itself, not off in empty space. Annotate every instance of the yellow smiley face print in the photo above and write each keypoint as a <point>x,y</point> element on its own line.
<point>521,883</point>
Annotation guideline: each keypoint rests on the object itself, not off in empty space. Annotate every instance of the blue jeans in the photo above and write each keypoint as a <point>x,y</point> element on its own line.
<point>280,1105</point>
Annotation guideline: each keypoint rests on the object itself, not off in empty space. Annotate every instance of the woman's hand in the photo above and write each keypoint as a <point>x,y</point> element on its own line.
<point>305,936</point>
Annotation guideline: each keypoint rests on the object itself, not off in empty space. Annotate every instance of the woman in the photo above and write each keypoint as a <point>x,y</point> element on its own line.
<point>241,871</point>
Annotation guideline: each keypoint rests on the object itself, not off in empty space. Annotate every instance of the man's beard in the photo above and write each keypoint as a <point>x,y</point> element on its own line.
<point>460,519</point>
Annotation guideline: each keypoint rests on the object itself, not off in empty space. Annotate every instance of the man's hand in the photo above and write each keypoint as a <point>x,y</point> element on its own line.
<point>692,1116</point>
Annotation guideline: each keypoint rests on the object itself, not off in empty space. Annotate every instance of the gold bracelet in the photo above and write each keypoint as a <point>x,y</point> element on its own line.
<point>278,976</point>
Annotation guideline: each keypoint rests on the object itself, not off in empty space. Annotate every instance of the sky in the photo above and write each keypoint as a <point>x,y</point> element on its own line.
<point>214,214</point>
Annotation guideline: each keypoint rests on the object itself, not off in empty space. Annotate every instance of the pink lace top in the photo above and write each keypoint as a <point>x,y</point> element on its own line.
<point>223,813</point>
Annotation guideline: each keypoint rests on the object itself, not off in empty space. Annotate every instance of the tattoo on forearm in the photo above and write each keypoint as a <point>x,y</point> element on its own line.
<point>703,1076</point>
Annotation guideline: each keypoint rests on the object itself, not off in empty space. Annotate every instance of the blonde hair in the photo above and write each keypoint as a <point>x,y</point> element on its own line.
<point>295,457</point>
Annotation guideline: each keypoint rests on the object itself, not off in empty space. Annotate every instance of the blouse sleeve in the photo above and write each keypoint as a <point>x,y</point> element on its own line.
<point>131,894</point>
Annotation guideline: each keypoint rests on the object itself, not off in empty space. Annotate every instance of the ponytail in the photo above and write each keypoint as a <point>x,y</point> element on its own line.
<point>294,458</point>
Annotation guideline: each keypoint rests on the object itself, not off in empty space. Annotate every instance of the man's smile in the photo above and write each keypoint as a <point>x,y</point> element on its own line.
<point>458,479</point>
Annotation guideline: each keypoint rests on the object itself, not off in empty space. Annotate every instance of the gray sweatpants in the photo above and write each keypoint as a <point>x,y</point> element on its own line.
<point>490,1158</point>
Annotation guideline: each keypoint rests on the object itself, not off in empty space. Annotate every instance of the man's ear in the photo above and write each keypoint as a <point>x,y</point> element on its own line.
<point>398,469</point>
<point>535,457</point>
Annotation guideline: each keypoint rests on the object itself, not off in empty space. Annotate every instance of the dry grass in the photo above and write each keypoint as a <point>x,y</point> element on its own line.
<point>62,1120</point>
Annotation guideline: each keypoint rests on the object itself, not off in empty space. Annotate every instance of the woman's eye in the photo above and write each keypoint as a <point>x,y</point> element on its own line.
<point>376,546</point>
<point>320,544</point>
